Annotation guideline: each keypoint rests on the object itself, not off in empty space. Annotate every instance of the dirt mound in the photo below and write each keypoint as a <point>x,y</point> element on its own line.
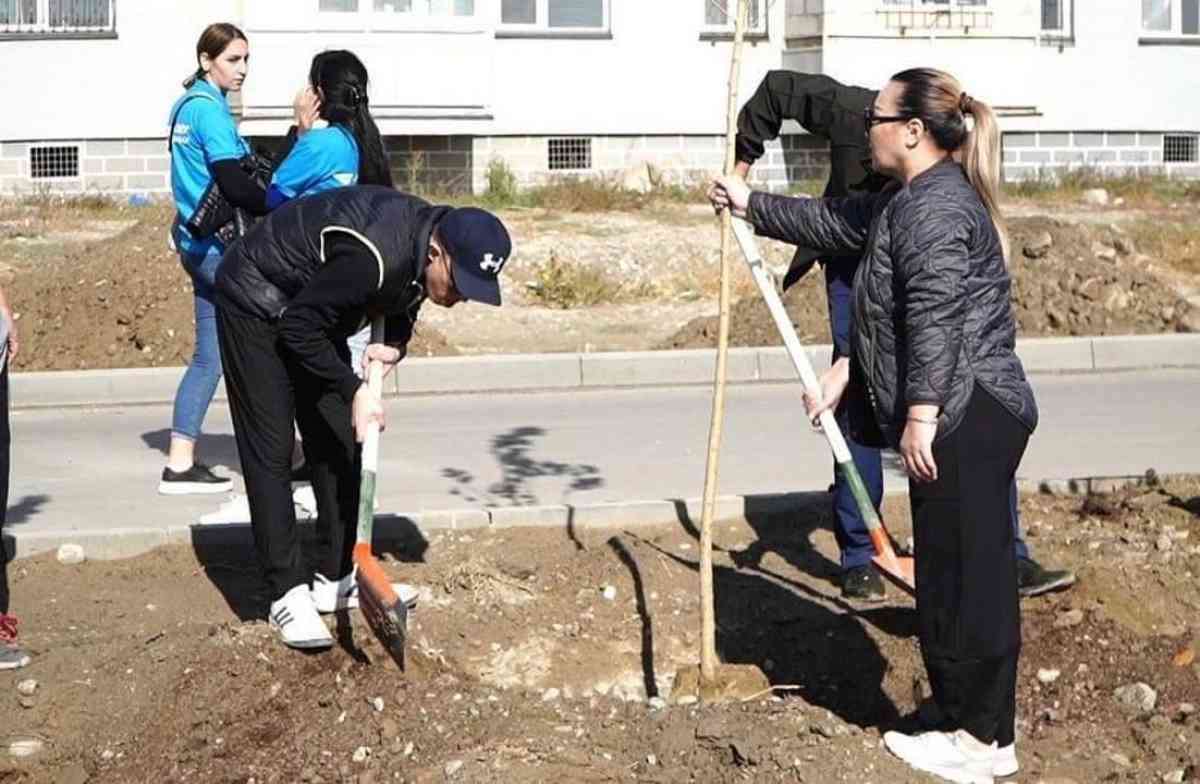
<point>123,301</point>
<point>1069,278</point>
<point>523,669</point>
<point>751,324</point>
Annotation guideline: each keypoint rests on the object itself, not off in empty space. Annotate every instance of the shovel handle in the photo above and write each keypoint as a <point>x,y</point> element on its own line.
<point>370,452</point>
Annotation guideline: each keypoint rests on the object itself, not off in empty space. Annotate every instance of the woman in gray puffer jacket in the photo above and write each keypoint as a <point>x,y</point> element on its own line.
<point>934,361</point>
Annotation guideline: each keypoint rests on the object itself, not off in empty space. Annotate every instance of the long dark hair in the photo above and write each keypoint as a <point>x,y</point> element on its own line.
<point>212,42</point>
<point>341,81</point>
<point>940,102</point>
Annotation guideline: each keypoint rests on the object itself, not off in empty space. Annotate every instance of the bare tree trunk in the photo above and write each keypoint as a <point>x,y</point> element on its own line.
<point>708,627</point>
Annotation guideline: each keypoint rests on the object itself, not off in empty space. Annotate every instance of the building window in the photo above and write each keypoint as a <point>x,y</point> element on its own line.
<point>438,8</point>
<point>555,16</point>
<point>47,163</point>
<point>1181,148</point>
<point>568,154</point>
<point>55,18</point>
<point>719,16</point>
<point>1171,17</point>
<point>1058,18</point>
<point>920,3</point>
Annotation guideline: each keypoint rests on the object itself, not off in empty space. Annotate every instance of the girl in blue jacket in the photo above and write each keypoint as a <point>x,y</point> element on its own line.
<point>206,153</point>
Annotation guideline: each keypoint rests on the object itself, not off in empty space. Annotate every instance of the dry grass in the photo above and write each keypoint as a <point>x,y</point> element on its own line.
<point>563,285</point>
<point>1144,192</point>
<point>1175,244</point>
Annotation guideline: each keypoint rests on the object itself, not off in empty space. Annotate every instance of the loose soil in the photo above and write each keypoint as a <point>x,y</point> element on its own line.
<point>1070,277</point>
<point>160,668</point>
<point>96,286</point>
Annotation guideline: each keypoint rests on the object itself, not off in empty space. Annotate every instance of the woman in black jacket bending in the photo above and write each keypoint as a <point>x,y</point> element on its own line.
<point>934,363</point>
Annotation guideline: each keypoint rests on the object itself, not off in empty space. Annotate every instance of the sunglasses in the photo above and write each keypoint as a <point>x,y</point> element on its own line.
<point>873,119</point>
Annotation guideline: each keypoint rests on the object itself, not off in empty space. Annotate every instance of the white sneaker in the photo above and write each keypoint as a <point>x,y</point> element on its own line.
<point>944,754</point>
<point>235,510</point>
<point>305,502</point>
<point>1005,762</point>
<point>295,617</point>
<point>333,595</point>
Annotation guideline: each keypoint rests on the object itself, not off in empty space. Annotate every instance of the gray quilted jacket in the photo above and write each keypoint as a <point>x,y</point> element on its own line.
<point>932,315</point>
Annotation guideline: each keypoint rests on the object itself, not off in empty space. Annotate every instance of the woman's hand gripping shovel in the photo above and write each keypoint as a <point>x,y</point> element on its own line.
<point>386,614</point>
<point>899,570</point>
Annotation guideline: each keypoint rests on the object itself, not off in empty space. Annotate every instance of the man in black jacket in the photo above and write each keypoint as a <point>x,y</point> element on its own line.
<point>833,111</point>
<point>289,294</point>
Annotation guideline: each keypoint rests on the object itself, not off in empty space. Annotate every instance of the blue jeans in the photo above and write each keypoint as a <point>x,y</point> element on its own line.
<point>200,380</point>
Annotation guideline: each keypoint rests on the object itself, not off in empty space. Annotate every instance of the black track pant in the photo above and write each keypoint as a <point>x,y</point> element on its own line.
<point>967,604</point>
<point>267,392</point>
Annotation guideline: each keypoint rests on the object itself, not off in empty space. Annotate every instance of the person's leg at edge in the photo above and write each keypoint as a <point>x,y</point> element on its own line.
<point>859,579</point>
<point>5,447</point>
<point>199,382</point>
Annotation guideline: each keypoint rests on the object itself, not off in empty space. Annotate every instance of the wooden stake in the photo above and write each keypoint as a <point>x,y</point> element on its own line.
<point>708,626</point>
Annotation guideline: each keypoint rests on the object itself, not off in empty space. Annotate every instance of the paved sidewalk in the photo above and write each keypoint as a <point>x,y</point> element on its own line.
<point>90,475</point>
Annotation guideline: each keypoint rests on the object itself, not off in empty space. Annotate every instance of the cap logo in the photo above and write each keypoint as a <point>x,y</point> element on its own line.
<point>491,264</point>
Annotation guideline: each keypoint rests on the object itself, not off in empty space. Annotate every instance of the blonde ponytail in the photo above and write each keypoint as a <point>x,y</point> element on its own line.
<point>981,160</point>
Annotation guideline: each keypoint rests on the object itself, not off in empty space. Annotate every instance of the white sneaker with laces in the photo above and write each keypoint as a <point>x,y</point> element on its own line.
<point>295,617</point>
<point>1005,762</point>
<point>944,754</point>
<point>333,595</point>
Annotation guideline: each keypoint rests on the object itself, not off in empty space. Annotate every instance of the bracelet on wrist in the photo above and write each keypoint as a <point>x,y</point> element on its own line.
<point>923,420</point>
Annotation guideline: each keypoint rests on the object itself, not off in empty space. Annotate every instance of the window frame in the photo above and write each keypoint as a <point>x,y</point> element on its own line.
<point>369,19</point>
<point>540,28</point>
<point>1173,35</point>
<point>43,30</point>
<point>723,31</point>
<point>1066,28</point>
<point>940,3</point>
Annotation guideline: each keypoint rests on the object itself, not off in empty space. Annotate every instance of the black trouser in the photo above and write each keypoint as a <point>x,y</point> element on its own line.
<point>5,446</point>
<point>267,392</point>
<point>967,604</point>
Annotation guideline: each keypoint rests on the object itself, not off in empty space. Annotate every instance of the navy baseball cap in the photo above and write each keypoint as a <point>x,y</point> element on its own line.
<point>480,246</point>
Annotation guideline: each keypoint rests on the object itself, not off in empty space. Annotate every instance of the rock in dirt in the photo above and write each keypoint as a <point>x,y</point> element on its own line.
<point>1096,196</point>
<point>550,695</point>
<point>70,554</point>
<point>1039,246</point>
<point>361,754</point>
<point>1186,709</point>
<point>21,746</point>
<point>1068,619</point>
<point>1136,697</point>
<point>27,687</point>
<point>1048,676</point>
<point>1174,776</point>
<point>453,767</point>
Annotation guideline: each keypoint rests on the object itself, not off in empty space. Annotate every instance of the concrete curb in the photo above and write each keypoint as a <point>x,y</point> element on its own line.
<point>414,528</point>
<point>541,372</point>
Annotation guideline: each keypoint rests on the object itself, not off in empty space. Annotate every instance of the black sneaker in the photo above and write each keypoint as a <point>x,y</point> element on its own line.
<point>1033,580</point>
<point>197,479</point>
<point>863,584</point>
